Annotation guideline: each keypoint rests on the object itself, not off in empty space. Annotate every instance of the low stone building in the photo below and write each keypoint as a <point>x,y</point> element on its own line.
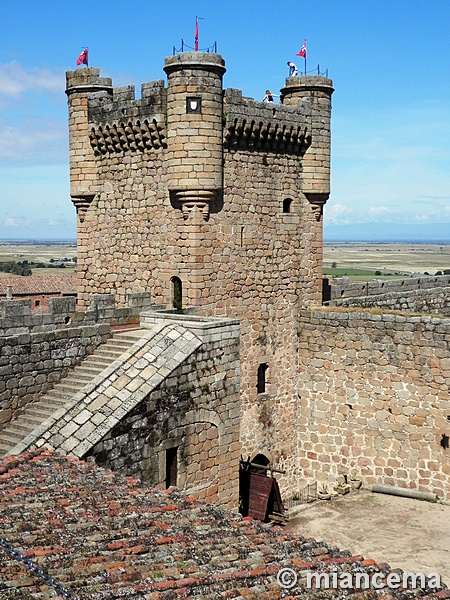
<point>39,289</point>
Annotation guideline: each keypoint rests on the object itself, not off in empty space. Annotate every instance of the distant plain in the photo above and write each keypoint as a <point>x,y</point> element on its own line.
<point>362,260</point>
<point>356,260</point>
<point>40,253</point>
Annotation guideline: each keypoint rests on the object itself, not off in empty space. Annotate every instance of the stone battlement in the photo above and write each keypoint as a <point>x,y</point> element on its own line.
<point>16,316</point>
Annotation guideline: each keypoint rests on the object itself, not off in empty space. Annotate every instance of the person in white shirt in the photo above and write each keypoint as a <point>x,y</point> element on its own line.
<point>269,96</point>
<point>293,72</point>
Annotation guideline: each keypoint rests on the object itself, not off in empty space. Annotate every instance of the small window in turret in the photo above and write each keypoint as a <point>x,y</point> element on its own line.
<point>193,106</point>
<point>261,378</point>
<point>287,205</point>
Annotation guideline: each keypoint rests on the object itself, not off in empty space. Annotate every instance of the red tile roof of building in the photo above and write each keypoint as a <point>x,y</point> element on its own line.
<point>45,284</point>
<point>105,536</point>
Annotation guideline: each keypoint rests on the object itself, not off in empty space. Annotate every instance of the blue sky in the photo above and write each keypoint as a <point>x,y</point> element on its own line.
<point>389,62</point>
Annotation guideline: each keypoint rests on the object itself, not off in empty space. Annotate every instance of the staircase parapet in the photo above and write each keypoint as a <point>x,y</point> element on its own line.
<point>105,400</point>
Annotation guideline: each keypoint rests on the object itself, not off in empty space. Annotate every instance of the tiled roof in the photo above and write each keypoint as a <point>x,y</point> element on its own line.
<point>106,536</point>
<point>45,284</point>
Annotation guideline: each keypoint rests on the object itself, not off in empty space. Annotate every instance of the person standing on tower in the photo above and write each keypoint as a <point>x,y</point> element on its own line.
<point>293,71</point>
<point>269,96</point>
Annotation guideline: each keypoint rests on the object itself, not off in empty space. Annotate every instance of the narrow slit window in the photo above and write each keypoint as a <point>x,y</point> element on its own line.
<point>177,293</point>
<point>261,383</point>
<point>171,467</point>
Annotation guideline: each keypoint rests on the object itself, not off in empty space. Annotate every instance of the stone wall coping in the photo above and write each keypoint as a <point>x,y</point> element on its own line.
<point>199,325</point>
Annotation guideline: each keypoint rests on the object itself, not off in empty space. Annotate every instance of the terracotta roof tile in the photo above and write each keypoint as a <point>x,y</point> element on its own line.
<point>46,284</point>
<point>105,536</point>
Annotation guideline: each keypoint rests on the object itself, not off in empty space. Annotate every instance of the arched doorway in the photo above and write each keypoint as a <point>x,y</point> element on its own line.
<point>177,293</point>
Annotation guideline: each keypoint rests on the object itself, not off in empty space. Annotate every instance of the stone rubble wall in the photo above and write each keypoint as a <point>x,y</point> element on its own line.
<point>16,316</point>
<point>31,363</point>
<point>429,301</point>
<point>374,398</point>
<point>341,290</point>
<point>38,350</point>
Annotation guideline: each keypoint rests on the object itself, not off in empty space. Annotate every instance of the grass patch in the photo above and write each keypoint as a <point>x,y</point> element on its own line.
<point>358,274</point>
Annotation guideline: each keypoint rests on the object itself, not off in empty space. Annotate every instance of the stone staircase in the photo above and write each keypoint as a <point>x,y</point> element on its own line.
<point>37,412</point>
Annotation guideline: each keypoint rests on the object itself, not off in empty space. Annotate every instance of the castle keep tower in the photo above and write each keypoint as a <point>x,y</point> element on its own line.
<point>212,201</point>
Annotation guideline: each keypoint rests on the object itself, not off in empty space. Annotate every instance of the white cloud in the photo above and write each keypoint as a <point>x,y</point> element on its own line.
<point>16,80</point>
<point>338,214</point>
<point>17,222</point>
<point>34,141</point>
<point>380,211</point>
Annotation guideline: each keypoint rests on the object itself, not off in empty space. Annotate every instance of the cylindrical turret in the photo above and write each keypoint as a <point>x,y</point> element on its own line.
<point>195,128</point>
<point>312,94</point>
<point>81,84</point>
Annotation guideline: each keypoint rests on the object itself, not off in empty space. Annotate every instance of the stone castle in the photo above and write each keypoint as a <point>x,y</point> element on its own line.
<point>200,223</point>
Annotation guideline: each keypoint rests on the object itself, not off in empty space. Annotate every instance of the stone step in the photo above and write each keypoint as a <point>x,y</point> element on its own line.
<point>94,361</point>
<point>42,410</point>
<point>9,437</point>
<point>77,377</point>
<point>37,412</point>
<point>89,372</point>
<point>110,354</point>
<point>33,420</point>
<point>58,397</point>
<point>65,387</point>
<point>18,426</point>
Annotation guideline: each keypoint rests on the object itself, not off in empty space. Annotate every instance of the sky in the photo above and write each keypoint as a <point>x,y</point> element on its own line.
<point>389,61</point>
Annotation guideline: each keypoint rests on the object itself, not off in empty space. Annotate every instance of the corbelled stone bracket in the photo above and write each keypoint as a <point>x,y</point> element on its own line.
<point>188,200</point>
<point>274,137</point>
<point>82,203</point>
<point>128,137</point>
<point>317,202</point>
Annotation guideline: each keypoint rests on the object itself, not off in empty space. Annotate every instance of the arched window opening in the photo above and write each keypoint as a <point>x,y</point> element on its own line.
<point>177,293</point>
<point>261,382</point>
<point>260,459</point>
<point>287,205</point>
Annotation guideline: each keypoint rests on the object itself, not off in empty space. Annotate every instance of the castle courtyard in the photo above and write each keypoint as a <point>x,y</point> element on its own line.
<point>409,534</point>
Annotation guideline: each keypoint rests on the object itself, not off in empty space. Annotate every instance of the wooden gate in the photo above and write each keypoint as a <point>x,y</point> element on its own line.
<point>259,494</point>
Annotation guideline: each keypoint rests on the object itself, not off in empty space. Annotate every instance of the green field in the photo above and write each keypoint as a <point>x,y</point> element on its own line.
<point>359,274</point>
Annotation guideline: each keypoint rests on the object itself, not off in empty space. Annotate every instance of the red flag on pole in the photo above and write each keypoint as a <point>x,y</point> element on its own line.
<point>303,50</point>
<point>83,58</point>
<point>196,34</point>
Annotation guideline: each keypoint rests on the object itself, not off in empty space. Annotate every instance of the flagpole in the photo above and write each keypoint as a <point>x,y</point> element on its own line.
<point>306,52</point>
<point>196,35</point>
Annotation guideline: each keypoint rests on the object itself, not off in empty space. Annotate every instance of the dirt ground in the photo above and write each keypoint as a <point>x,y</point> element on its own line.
<point>409,534</point>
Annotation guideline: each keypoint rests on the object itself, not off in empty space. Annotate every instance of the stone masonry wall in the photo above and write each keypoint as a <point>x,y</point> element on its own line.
<point>223,195</point>
<point>195,410</point>
<point>429,301</point>
<point>352,289</point>
<point>374,398</point>
<point>31,363</point>
<point>38,350</point>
